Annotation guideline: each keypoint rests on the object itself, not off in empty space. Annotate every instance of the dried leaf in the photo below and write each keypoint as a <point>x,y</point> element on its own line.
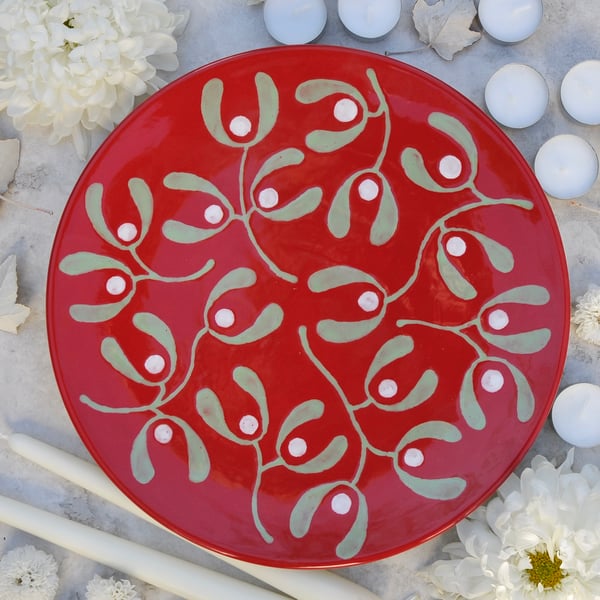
<point>445,25</point>
<point>11,314</point>
<point>9,161</point>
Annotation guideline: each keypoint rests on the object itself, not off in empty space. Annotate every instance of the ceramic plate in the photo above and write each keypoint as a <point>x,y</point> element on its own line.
<point>308,306</point>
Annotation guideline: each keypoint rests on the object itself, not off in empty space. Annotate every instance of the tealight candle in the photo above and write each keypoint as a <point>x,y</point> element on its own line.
<point>369,19</point>
<point>580,92</point>
<point>295,21</point>
<point>516,96</point>
<point>576,415</point>
<point>510,21</point>
<point>566,166</point>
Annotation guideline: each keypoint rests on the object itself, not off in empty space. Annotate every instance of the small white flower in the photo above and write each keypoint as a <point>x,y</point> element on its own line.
<point>74,65</point>
<point>586,316</point>
<point>109,589</point>
<point>538,539</point>
<point>28,574</point>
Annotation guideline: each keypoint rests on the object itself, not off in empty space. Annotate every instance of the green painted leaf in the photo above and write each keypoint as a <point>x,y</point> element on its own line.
<point>338,217</point>
<point>394,349</point>
<point>459,133</point>
<point>198,459</point>
<point>527,342</point>
<point>249,381</point>
<point>453,279</point>
<point>340,332</point>
<point>142,197</point>
<point>193,183</point>
<point>141,464</point>
<point>266,323</point>
<point>182,233</point>
<point>435,489</point>
<point>386,222</point>
<point>156,328</point>
<point>208,406</point>
<point>302,514</point>
<point>284,158</point>
<point>525,397</point>
<point>236,279</point>
<point>435,430</point>
<point>469,405</point>
<point>88,262</point>
<point>268,105</point>
<point>97,313</point>
<point>534,295</point>
<point>414,168</point>
<point>304,204</point>
<point>500,256</point>
<point>355,538</point>
<point>421,392</point>
<point>116,358</point>
<point>309,410</point>
<point>323,140</point>
<point>93,207</point>
<point>316,90</point>
<point>210,106</point>
<point>326,459</point>
<point>334,277</point>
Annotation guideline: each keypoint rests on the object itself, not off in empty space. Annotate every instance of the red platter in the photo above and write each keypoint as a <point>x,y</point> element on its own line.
<point>308,306</point>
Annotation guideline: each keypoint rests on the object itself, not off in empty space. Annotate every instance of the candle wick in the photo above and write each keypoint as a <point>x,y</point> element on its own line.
<point>300,9</point>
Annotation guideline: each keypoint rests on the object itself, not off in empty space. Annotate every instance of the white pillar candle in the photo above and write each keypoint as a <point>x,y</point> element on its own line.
<point>516,96</point>
<point>566,166</point>
<point>576,415</point>
<point>369,19</point>
<point>166,572</point>
<point>510,21</point>
<point>580,92</point>
<point>300,584</point>
<point>295,21</point>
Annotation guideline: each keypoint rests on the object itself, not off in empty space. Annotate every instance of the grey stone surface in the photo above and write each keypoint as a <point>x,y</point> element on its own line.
<point>29,398</point>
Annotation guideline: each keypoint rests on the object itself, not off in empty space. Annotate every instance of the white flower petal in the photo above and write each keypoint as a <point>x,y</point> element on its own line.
<point>74,65</point>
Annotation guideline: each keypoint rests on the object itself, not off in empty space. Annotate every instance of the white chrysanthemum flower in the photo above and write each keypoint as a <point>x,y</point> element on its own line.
<point>28,574</point>
<point>586,316</point>
<point>109,589</point>
<point>538,539</point>
<point>75,65</point>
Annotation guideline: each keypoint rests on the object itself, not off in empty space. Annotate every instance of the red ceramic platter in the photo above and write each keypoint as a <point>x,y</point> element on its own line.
<point>308,306</point>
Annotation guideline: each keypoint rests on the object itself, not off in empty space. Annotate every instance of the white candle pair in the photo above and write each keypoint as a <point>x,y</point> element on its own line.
<point>204,584</point>
<point>303,21</point>
<point>510,21</point>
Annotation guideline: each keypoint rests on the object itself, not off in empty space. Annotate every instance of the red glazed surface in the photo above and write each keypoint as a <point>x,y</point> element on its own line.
<point>319,347</point>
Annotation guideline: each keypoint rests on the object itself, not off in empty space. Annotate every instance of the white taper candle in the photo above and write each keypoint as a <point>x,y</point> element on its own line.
<point>169,573</point>
<point>300,584</point>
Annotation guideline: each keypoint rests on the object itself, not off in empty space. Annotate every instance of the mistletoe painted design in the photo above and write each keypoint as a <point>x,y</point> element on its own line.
<point>303,325</point>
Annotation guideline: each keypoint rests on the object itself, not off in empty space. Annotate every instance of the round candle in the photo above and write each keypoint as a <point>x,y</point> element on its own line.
<point>576,415</point>
<point>369,19</point>
<point>516,96</point>
<point>295,21</point>
<point>580,92</point>
<point>566,166</point>
<point>510,21</point>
